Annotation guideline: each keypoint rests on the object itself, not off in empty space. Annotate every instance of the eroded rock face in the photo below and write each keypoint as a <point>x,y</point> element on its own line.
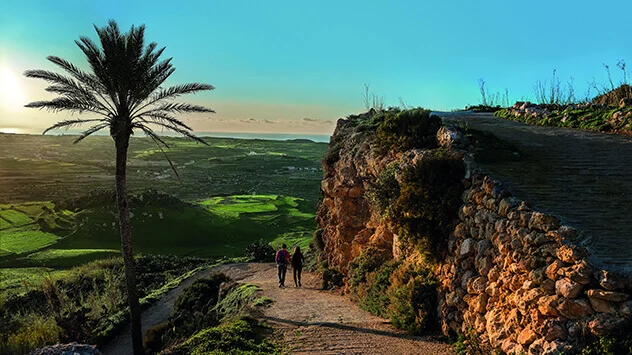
<point>512,275</point>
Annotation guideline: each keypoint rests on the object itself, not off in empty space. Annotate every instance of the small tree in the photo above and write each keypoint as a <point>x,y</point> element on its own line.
<point>123,91</point>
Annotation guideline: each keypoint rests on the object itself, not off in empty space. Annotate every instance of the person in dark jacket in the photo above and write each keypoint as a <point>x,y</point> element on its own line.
<point>282,258</point>
<point>297,265</point>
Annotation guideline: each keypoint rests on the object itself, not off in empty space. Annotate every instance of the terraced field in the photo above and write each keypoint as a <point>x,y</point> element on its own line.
<point>230,194</point>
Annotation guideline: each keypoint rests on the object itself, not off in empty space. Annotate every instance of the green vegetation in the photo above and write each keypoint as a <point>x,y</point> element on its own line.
<point>387,288</point>
<point>428,202</point>
<point>619,344</point>
<point>590,117</point>
<point>84,304</point>
<point>200,324</point>
<point>331,278</point>
<point>384,191</point>
<point>231,337</point>
<point>401,130</point>
<point>51,168</point>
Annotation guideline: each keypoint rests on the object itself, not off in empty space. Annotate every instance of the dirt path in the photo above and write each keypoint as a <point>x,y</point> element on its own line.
<point>308,320</point>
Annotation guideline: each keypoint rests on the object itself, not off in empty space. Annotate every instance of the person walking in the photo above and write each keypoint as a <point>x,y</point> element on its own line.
<point>297,265</point>
<point>282,259</point>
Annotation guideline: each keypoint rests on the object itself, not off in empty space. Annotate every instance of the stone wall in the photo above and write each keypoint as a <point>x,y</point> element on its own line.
<point>513,277</point>
<point>516,279</point>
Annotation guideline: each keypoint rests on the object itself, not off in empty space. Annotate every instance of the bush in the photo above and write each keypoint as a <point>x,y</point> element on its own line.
<point>372,295</point>
<point>413,301</point>
<point>37,332</point>
<point>192,309</point>
<point>428,203</point>
<point>154,337</point>
<point>260,252</point>
<point>400,131</point>
<point>369,260</point>
<point>384,191</point>
<point>237,337</point>
<point>332,278</point>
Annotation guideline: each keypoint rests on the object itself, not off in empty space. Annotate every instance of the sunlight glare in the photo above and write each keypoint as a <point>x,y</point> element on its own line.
<point>12,96</point>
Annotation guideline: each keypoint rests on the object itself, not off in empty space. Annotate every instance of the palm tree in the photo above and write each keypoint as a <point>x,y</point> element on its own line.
<point>122,90</point>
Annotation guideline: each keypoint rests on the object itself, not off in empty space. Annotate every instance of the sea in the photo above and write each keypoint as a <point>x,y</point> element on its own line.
<point>319,138</point>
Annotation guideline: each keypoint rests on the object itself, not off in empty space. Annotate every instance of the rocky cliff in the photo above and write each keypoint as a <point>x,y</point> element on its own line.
<point>504,274</point>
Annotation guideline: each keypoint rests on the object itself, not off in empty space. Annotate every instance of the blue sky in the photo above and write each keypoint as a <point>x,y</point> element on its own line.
<point>275,63</point>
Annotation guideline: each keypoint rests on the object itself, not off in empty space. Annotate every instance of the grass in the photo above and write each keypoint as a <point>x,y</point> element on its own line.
<point>66,258</point>
<point>15,218</point>
<point>84,304</point>
<point>24,240</point>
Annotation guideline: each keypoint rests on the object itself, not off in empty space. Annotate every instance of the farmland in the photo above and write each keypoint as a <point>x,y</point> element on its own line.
<point>57,206</point>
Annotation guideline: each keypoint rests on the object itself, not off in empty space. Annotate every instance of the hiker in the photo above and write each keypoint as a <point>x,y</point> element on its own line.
<point>282,259</point>
<point>297,265</point>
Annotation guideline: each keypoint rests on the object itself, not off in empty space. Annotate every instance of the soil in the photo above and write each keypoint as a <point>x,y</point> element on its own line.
<point>306,320</point>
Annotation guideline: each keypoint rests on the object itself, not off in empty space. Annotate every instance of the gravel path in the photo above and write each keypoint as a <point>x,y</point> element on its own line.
<point>584,177</point>
<point>308,320</point>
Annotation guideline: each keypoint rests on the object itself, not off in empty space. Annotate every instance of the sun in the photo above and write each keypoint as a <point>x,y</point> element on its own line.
<point>12,97</point>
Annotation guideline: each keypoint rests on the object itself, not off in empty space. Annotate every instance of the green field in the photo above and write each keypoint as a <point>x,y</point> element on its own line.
<point>231,193</point>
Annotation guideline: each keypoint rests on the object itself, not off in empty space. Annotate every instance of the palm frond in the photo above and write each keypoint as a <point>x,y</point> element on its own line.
<point>68,104</point>
<point>174,92</point>
<point>150,133</point>
<point>182,131</point>
<point>164,118</point>
<point>70,123</point>
<point>90,131</point>
<point>177,108</point>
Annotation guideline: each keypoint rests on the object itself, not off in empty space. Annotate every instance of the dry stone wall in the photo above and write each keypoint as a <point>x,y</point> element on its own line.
<point>513,277</point>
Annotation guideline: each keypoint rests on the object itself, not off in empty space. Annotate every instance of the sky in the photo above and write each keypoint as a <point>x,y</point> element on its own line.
<point>297,66</point>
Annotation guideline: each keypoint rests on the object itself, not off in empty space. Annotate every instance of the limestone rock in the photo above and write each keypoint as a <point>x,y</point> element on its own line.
<point>574,309</point>
<point>544,222</point>
<point>601,306</point>
<point>547,305</point>
<point>603,324</point>
<point>610,281</point>
<point>467,248</point>
<point>571,254</point>
<point>527,336</point>
<point>567,288</point>
<point>553,268</point>
<point>607,295</point>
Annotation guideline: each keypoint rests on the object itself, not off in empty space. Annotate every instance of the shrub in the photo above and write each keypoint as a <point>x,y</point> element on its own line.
<point>154,337</point>
<point>260,252</point>
<point>373,295</point>
<point>237,337</point>
<point>384,191</point>
<point>369,260</point>
<point>428,204</point>
<point>403,130</point>
<point>332,278</point>
<point>236,300</point>
<point>37,332</point>
<point>413,301</point>
<point>192,309</point>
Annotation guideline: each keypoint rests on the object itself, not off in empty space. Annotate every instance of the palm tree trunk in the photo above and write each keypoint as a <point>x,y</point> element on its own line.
<point>125,221</point>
